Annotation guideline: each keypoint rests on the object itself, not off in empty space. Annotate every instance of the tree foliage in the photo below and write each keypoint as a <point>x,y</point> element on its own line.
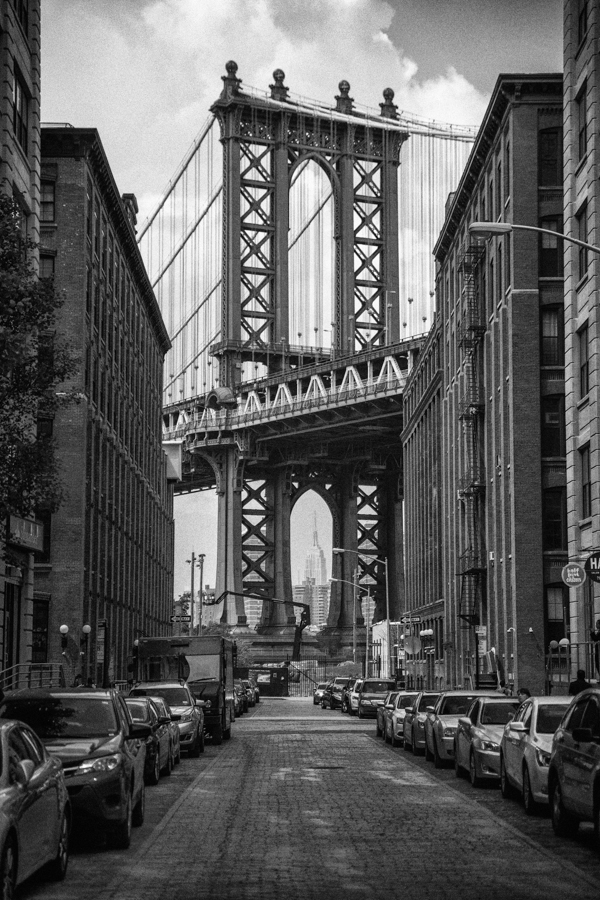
<point>34,362</point>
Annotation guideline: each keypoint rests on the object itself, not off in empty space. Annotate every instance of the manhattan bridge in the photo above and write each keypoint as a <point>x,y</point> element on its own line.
<point>291,258</point>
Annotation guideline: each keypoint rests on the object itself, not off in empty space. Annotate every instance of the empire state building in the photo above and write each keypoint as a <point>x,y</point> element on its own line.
<point>315,587</point>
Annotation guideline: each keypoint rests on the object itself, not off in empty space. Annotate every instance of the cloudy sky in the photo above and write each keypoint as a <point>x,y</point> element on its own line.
<point>144,72</point>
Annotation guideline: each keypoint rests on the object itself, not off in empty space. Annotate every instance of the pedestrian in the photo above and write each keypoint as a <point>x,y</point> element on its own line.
<point>78,681</point>
<point>523,694</point>
<point>595,636</point>
<point>580,684</point>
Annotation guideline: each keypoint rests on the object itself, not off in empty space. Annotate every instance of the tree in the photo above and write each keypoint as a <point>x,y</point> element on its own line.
<point>34,362</point>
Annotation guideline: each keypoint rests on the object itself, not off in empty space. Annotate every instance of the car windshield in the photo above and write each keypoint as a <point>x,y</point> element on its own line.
<point>498,713</point>
<point>455,706</point>
<point>549,718</point>
<point>138,710</point>
<point>175,696</point>
<point>427,700</point>
<point>377,687</point>
<point>64,716</point>
<point>321,687</point>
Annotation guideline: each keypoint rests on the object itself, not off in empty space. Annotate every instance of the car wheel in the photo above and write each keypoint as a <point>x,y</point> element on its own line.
<point>323,704</point>
<point>563,822</point>
<point>154,775</point>
<point>139,810</point>
<point>360,713</point>
<point>473,776</point>
<point>178,755</point>
<point>57,869</point>
<point>406,743</point>
<point>344,707</point>
<point>217,735</point>
<point>8,870</point>
<point>528,800</point>
<point>505,785</point>
<point>201,740</point>
<point>428,753</point>
<point>393,739</point>
<point>378,731</point>
<point>120,835</point>
<point>194,751</point>
<point>438,762</point>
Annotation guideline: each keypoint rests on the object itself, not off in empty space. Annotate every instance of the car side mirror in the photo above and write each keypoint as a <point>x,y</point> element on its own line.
<point>175,717</point>
<point>203,704</point>
<point>518,727</point>
<point>137,730</point>
<point>164,720</point>
<point>429,709</point>
<point>465,721</point>
<point>24,771</point>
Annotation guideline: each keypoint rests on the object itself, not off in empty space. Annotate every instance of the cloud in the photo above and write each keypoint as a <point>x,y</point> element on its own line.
<point>146,75</point>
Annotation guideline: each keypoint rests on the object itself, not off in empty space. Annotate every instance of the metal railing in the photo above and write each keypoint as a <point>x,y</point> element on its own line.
<point>32,675</point>
<point>564,661</point>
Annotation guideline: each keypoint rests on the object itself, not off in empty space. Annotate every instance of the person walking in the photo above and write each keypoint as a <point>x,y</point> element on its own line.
<point>580,684</point>
<point>595,636</point>
<point>523,694</point>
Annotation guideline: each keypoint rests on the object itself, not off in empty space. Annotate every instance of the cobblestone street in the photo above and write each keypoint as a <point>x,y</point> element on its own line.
<point>308,803</point>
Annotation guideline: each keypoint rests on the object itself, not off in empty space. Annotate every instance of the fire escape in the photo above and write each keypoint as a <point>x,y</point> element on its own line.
<point>471,488</point>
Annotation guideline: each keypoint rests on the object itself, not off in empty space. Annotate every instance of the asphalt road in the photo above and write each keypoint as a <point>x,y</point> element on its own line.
<point>308,804</point>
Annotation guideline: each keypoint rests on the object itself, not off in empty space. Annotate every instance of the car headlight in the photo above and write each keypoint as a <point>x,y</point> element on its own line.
<point>101,764</point>
<point>449,732</point>
<point>490,745</point>
<point>187,716</point>
<point>542,758</point>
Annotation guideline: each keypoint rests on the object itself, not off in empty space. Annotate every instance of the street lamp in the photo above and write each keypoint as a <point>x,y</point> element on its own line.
<point>354,584</point>
<point>64,631</point>
<point>86,629</point>
<point>387,599</point>
<point>489,229</point>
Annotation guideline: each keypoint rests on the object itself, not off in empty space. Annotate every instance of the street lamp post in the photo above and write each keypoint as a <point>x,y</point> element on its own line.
<point>489,229</point>
<point>354,584</point>
<point>387,601</point>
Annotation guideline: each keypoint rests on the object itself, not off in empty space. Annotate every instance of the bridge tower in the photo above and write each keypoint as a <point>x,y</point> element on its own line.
<point>265,140</point>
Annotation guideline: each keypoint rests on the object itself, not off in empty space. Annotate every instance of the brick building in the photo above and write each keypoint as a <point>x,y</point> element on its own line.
<point>582,324</point>
<point>502,452</point>
<point>421,442</point>
<point>108,558</point>
<point>20,178</point>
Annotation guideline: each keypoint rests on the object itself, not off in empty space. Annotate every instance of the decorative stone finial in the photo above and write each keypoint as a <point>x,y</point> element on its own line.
<point>278,90</point>
<point>231,84</point>
<point>344,101</point>
<point>388,107</point>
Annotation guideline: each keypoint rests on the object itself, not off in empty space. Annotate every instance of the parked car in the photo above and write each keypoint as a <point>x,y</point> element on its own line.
<point>35,813</point>
<point>183,704</point>
<point>574,773</point>
<point>414,721</point>
<point>249,692</point>
<point>388,705</point>
<point>394,730</point>
<point>238,700</point>
<point>332,694</point>
<point>371,694</point>
<point>171,720</point>
<point>101,749</point>
<point>158,743</point>
<point>442,722</point>
<point>346,691</point>
<point>525,749</point>
<point>237,684</point>
<point>318,693</point>
<point>478,736</point>
<point>353,697</point>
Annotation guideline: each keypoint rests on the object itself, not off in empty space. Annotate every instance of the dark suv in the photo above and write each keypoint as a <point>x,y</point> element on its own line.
<point>101,749</point>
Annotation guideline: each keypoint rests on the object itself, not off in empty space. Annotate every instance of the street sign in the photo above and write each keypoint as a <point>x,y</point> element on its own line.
<point>481,630</point>
<point>181,618</point>
<point>574,575</point>
<point>410,620</point>
<point>592,566</point>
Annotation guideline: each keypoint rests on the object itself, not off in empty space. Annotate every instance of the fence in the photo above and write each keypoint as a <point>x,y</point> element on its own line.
<point>565,659</point>
<point>32,675</point>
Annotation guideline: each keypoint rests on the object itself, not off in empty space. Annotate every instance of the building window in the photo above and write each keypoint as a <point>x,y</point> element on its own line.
<point>582,235</point>
<point>582,21</point>
<point>22,11</point>
<point>553,426</point>
<point>581,114</point>
<point>551,249</point>
<point>46,266</point>
<point>586,483</point>
<point>39,646</point>
<point>47,201</point>
<point>554,514</point>
<point>552,337</point>
<point>584,362</point>
<point>555,612</point>
<point>550,165</point>
<point>20,111</point>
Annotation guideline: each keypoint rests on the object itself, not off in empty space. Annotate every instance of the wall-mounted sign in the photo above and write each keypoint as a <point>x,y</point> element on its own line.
<point>573,575</point>
<point>26,533</point>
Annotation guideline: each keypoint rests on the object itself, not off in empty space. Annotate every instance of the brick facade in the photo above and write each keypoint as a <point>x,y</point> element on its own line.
<point>110,552</point>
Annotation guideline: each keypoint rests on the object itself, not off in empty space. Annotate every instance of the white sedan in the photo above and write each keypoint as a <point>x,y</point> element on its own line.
<point>525,749</point>
<point>478,736</point>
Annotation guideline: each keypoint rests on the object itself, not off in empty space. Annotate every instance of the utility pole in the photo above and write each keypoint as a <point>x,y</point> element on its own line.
<point>193,562</point>
<point>201,565</point>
